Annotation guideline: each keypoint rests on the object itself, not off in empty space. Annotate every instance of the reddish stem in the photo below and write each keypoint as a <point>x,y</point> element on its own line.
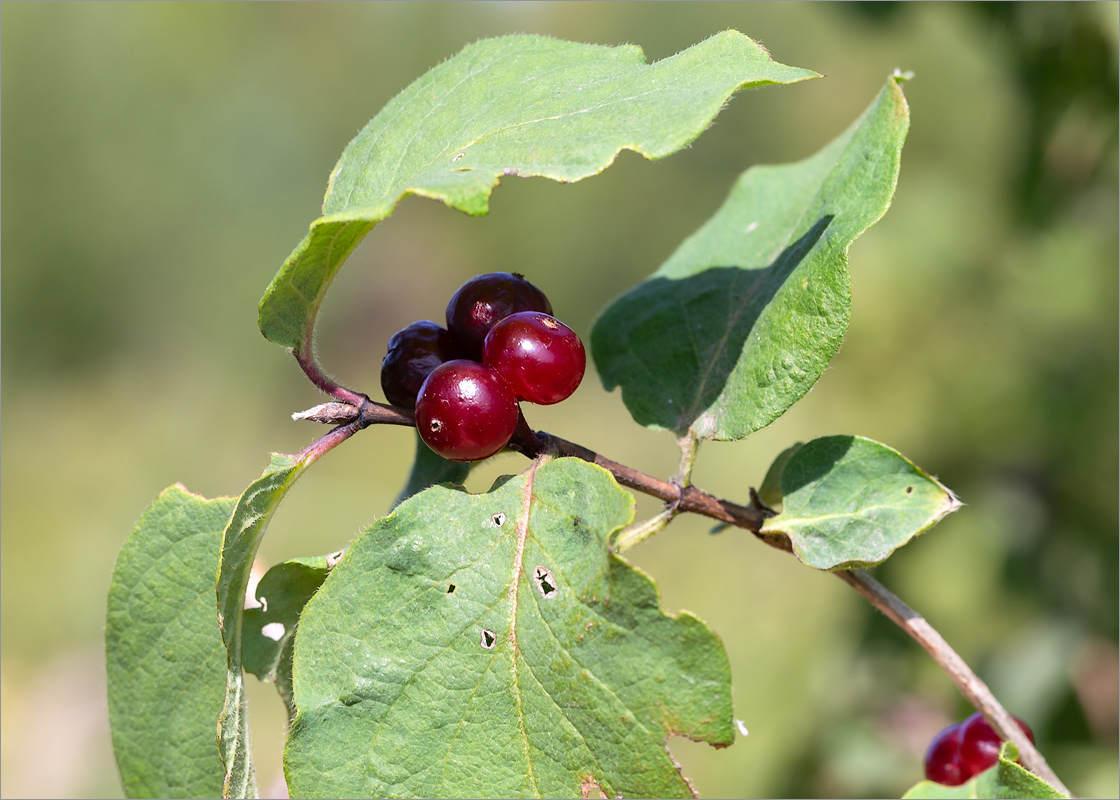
<point>315,374</point>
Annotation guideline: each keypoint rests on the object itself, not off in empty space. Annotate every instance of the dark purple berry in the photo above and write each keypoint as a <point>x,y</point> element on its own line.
<point>540,357</point>
<point>483,301</point>
<point>465,411</point>
<point>980,744</point>
<point>413,353</point>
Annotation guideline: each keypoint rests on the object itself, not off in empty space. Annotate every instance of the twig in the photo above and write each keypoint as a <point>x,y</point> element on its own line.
<point>691,499</point>
<point>366,411</point>
<point>687,498</point>
<point>324,444</point>
<point>698,502</point>
<point>353,419</point>
<point>974,690</point>
<point>329,413</point>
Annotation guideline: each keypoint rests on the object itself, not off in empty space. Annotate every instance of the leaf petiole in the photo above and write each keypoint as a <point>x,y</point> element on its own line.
<point>306,360</point>
<point>689,445</point>
<point>637,533</point>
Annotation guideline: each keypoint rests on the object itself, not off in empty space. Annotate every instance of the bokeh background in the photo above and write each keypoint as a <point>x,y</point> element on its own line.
<point>160,161</point>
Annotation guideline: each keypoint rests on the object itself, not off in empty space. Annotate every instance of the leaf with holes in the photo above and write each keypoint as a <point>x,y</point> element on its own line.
<point>513,105</point>
<point>491,645</point>
<point>266,637</point>
<point>742,320</point>
<point>1005,780</point>
<point>165,663</point>
<point>849,502</point>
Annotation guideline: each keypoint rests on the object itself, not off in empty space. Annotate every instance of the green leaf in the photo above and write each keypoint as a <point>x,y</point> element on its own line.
<point>165,663</point>
<point>513,105</point>
<point>770,492</point>
<point>1005,780</point>
<point>240,542</point>
<point>492,645</point>
<point>849,502</point>
<point>428,469</point>
<point>742,320</point>
<point>267,636</point>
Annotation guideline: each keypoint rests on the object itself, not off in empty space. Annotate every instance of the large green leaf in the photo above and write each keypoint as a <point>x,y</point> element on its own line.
<point>268,633</point>
<point>513,105</point>
<point>165,663</point>
<point>849,502</point>
<point>740,322</point>
<point>1005,780</point>
<point>240,542</point>
<point>491,645</point>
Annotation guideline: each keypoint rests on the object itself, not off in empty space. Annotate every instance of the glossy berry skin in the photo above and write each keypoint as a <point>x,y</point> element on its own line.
<point>980,744</point>
<point>480,303</point>
<point>413,353</point>
<point>465,411</point>
<point>942,761</point>
<point>540,357</point>
<point>962,751</point>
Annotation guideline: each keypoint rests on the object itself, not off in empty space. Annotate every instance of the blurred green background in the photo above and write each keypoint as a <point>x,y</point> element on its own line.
<point>160,161</point>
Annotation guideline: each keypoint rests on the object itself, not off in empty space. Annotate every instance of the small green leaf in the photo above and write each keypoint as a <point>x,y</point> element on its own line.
<point>742,320</point>
<point>165,663</point>
<point>1005,780</point>
<point>268,631</point>
<point>492,646</point>
<point>240,542</point>
<point>849,502</point>
<point>428,469</point>
<point>513,105</point>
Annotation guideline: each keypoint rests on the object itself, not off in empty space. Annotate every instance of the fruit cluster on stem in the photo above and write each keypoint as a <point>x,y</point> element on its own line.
<point>501,345</point>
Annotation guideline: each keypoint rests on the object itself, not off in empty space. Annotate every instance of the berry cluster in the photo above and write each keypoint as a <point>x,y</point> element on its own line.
<point>501,345</point>
<point>964,750</point>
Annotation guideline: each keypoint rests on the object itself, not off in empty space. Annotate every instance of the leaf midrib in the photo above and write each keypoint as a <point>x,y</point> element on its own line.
<point>515,585</point>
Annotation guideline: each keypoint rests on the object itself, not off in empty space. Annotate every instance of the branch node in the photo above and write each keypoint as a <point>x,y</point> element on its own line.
<point>673,504</point>
<point>756,502</point>
<point>365,418</point>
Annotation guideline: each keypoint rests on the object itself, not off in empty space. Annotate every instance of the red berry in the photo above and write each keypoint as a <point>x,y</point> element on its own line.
<point>465,411</point>
<point>540,357</point>
<point>942,761</point>
<point>483,301</point>
<point>964,750</point>
<point>980,744</point>
<point>413,353</point>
